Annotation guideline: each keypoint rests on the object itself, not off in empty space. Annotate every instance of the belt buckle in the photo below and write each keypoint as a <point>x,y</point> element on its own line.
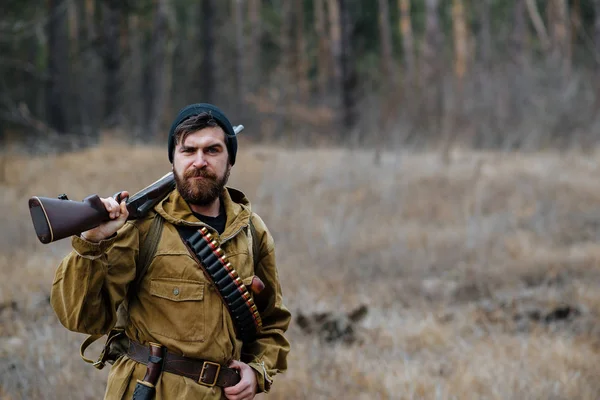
<point>204,366</point>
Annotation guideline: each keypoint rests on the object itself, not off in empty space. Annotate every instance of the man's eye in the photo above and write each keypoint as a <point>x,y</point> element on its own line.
<point>213,150</point>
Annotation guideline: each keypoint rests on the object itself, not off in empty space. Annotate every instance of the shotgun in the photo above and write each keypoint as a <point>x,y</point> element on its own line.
<point>57,218</point>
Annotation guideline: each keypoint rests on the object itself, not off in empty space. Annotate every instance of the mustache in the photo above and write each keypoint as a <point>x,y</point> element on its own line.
<point>197,173</point>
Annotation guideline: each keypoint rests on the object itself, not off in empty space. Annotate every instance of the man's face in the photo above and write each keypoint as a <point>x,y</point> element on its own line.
<point>201,166</point>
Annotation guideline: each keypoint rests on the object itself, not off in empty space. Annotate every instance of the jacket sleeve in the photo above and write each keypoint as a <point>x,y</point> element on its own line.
<point>267,355</point>
<point>92,280</point>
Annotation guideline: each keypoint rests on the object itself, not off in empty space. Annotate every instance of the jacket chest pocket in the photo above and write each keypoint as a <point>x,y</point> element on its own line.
<point>178,309</point>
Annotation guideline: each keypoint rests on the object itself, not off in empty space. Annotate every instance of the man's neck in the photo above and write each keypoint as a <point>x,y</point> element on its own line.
<point>211,210</point>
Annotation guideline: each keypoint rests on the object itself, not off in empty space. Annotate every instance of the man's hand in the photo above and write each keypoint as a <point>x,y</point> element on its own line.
<point>118,215</point>
<point>246,387</point>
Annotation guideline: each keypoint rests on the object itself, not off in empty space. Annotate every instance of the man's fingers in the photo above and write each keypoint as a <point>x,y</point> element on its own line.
<point>245,393</point>
<point>113,208</point>
<point>245,388</point>
<point>241,385</point>
<point>242,396</point>
<point>237,389</point>
<point>124,212</point>
<point>108,206</point>
<point>123,196</point>
<point>120,196</point>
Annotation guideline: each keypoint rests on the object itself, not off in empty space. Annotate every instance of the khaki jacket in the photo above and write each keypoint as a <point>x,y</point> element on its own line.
<point>92,281</point>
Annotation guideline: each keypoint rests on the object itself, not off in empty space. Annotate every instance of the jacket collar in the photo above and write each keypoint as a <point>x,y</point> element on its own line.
<point>177,211</point>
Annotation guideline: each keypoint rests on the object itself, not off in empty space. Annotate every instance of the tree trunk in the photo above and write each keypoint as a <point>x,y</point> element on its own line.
<point>485,36</point>
<point>83,108</point>
<point>432,79</point>
<point>460,41</point>
<point>335,33</point>
<point>390,83</point>
<point>519,35</point>
<point>348,69</point>
<point>158,83</point>
<point>576,19</point>
<point>136,107</point>
<point>538,24</point>
<point>301,58</point>
<point>207,69</point>
<point>597,25</point>
<point>58,56</point>
<point>283,78</point>
<point>323,57</point>
<point>254,48</point>
<point>73,25</point>
<point>240,85</point>
<point>597,48</point>
<point>286,44</point>
<point>460,36</point>
<point>407,39</point>
<point>90,11</point>
<point>561,34</point>
<point>385,38</point>
<point>111,18</point>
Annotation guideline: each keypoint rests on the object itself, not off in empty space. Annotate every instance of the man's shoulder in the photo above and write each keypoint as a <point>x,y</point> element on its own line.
<point>261,233</point>
<point>258,222</point>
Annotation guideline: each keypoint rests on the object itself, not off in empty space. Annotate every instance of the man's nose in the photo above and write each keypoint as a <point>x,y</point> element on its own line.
<point>200,161</point>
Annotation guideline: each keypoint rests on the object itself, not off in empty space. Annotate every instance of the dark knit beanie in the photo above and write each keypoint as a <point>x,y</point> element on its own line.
<point>218,116</point>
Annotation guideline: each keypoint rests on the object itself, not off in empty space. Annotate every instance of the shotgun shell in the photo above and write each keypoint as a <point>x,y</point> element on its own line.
<point>233,275</point>
<point>241,287</point>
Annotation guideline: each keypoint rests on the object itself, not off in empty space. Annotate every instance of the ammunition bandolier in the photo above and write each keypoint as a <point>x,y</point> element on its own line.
<point>167,299</point>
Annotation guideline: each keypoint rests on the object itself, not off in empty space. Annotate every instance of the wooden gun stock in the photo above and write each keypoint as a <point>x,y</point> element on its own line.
<point>55,219</point>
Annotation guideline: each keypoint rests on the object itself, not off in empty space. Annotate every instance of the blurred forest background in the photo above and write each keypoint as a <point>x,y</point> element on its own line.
<point>428,169</point>
<point>486,73</point>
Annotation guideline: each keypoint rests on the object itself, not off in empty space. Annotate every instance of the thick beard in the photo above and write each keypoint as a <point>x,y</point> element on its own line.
<point>200,192</point>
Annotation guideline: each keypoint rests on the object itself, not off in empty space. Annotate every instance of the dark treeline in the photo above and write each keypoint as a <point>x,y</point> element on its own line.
<point>485,73</point>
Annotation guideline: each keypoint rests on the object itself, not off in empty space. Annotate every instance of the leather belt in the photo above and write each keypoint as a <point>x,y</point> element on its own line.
<point>206,373</point>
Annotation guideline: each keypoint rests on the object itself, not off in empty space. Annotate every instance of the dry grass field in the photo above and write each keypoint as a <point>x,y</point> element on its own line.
<point>481,274</point>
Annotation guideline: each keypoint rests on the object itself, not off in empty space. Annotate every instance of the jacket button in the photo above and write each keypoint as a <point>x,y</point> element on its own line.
<point>176,291</point>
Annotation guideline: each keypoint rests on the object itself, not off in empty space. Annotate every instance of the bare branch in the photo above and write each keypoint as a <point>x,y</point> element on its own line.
<point>538,24</point>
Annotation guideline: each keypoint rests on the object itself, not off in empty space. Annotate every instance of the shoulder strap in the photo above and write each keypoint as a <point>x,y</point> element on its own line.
<point>148,249</point>
<point>255,245</point>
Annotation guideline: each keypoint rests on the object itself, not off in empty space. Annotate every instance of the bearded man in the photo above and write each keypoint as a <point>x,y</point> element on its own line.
<point>178,320</point>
